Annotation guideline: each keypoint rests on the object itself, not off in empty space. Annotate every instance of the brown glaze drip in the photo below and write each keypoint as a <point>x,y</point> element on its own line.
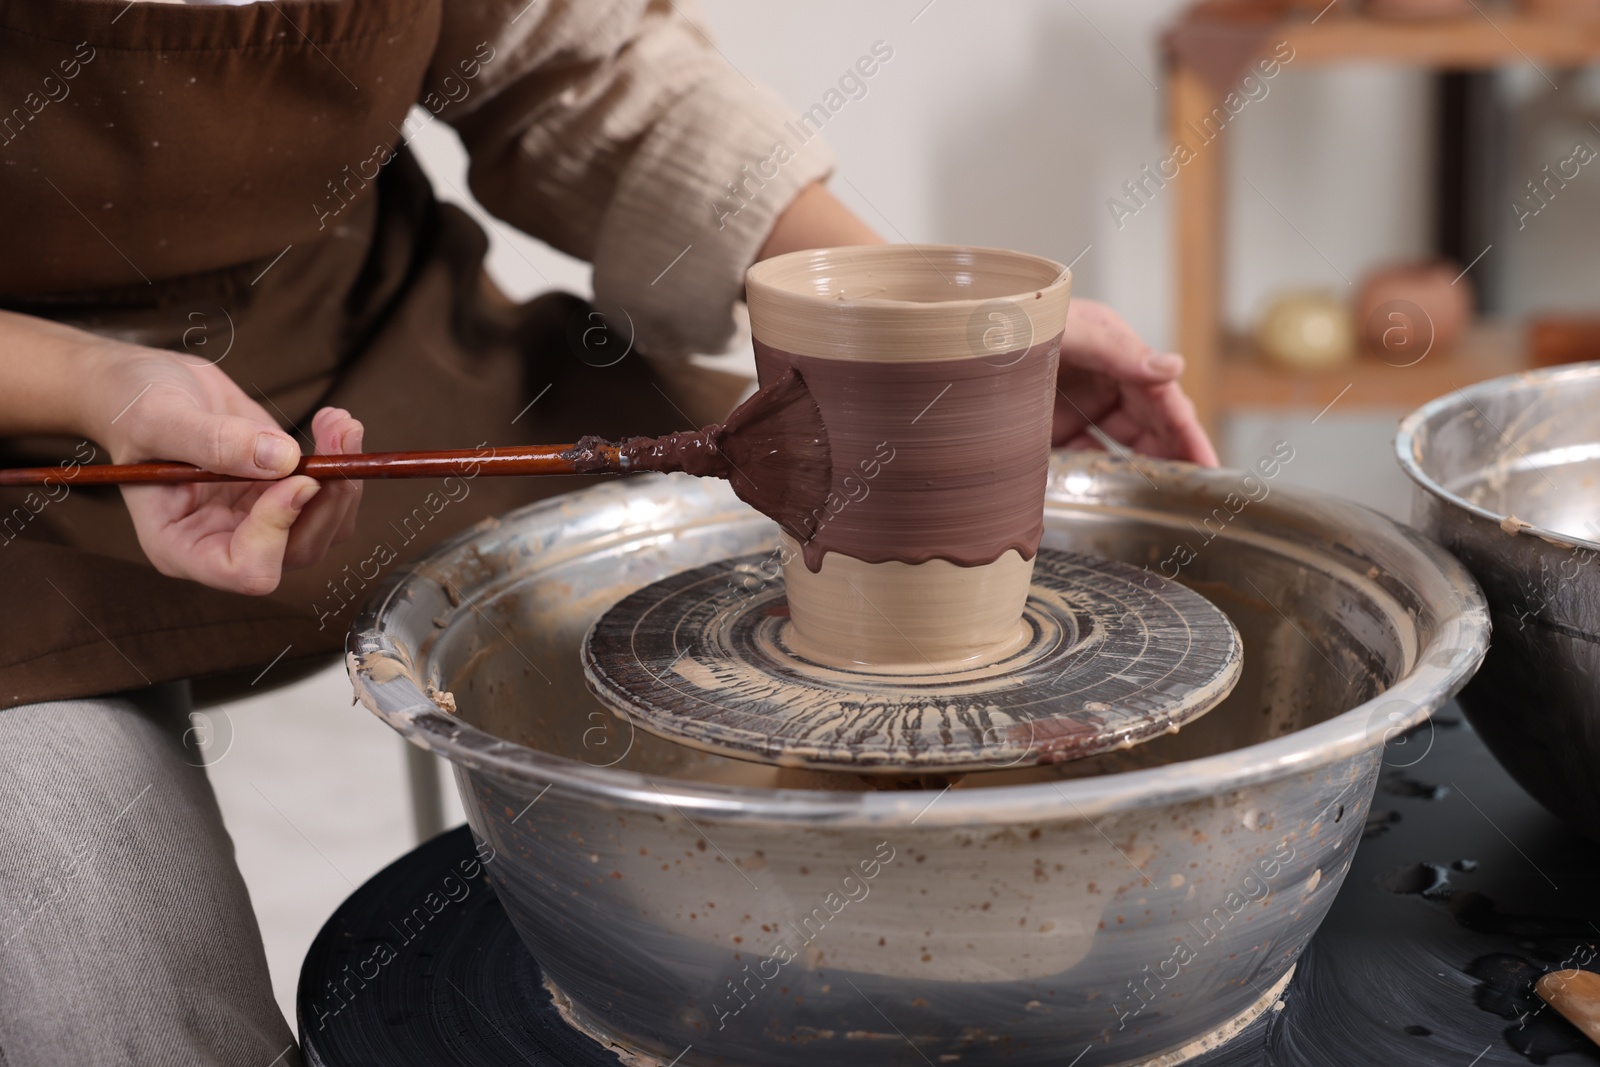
<point>939,459</point>
<point>773,450</point>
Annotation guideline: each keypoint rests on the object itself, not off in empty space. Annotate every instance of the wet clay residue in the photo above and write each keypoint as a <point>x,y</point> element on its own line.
<point>1513,525</point>
<point>936,459</point>
<point>773,450</point>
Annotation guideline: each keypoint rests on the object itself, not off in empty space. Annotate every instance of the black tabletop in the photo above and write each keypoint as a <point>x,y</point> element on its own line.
<point>1463,892</point>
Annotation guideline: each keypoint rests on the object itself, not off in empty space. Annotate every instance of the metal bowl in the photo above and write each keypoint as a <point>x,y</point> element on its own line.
<point>1147,903</point>
<point>1507,476</point>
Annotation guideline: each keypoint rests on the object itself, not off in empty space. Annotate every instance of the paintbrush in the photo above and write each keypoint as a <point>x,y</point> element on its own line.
<point>773,450</point>
<point>1576,995</point>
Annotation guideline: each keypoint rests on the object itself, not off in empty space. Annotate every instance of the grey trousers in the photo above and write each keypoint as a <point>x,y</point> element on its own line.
<point>126,932</point>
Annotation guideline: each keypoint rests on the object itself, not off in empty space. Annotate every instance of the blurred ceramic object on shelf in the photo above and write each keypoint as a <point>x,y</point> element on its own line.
<point>1408,310</point>
<point>1239,9</point>
<point>1419,9</point>
<point>1554,339</point>
<point>1562,10</point>
<point>1257,10</point>
<point>1306,331</point>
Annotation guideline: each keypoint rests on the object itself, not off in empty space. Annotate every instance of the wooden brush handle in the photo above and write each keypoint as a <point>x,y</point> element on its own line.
<point>459,463</point>
<point>1576,995</point>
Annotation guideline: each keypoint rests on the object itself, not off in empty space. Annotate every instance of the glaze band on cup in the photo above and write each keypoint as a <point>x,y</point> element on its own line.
<point>942,459</point>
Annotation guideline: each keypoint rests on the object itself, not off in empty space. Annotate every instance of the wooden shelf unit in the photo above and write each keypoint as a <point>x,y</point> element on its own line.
<point>1249,381</point>
<point>1223,374</point>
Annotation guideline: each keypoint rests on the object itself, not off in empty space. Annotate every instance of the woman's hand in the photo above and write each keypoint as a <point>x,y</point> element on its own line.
<point>143,404</point>
<point>1112,381</point>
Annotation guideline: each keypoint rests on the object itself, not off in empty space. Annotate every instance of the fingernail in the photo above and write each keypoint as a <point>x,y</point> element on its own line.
<point>275,454</point>
<point>1164,364</point>
<point>303,495</point>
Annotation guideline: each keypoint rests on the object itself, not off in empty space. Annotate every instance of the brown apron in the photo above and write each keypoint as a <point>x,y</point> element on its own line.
<point>232,181</point>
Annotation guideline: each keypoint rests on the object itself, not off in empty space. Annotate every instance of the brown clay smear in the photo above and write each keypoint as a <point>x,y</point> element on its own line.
<point>773,450</point>
<point>937,459</point>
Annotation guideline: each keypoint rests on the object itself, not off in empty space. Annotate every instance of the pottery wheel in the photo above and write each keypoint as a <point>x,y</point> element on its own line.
<point>1113,656</point>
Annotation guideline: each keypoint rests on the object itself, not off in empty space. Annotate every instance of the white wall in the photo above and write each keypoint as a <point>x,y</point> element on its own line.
<point>1013,124</point>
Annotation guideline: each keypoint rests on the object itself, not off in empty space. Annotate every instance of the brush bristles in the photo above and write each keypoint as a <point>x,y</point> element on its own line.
<point>773,450</point>
<point>777,451</point>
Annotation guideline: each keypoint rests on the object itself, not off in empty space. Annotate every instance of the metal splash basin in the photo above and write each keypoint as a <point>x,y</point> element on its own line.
<point>1138,906</point>
<point>1507,477</point>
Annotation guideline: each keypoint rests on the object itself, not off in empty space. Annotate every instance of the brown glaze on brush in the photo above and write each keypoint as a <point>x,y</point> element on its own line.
<point>939,459</point>
<point>773,450</point>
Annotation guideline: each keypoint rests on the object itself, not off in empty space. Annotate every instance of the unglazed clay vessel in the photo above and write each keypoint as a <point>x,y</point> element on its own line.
<point>1409,310</point>
<point>934,368</point>
<point>1419,9</point>
<point>1564,10</point>
<point>1306,331</point>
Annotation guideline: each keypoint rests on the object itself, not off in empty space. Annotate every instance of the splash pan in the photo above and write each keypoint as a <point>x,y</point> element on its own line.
<point>1121,907</point>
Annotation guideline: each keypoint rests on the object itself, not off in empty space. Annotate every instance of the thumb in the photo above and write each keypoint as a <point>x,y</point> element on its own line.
<point>226,444</point>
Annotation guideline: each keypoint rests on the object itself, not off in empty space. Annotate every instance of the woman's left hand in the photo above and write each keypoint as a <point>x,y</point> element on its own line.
<point>1112,381</point>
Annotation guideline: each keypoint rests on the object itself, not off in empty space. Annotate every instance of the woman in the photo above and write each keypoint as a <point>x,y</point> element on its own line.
<point>219,251</point>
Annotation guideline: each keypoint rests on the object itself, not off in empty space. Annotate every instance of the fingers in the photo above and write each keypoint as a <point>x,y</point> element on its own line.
<point>1154,420</point>
<point>1084,443</point>
<point>331,517</point>
<point>255,554</point>
<point>1082,399</point>
<point>1160,421</point>
<point>1124,429</point>
<point>349,440</point>
<point>1097,339</point>
<point>1147,410</point>
<point>328,427</point>
<point>1189,438</point>
<point>216,545</point>
<point>228,444</point>
<point>241,537</point>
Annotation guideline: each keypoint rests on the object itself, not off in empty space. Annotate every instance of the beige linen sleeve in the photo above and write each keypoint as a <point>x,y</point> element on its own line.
<point>615,131</point>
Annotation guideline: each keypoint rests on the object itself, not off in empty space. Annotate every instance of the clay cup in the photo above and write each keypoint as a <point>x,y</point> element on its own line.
<point>934,368</point>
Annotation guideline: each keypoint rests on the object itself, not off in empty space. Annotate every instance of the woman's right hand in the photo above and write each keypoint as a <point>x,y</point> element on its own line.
<point>144,404</point>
